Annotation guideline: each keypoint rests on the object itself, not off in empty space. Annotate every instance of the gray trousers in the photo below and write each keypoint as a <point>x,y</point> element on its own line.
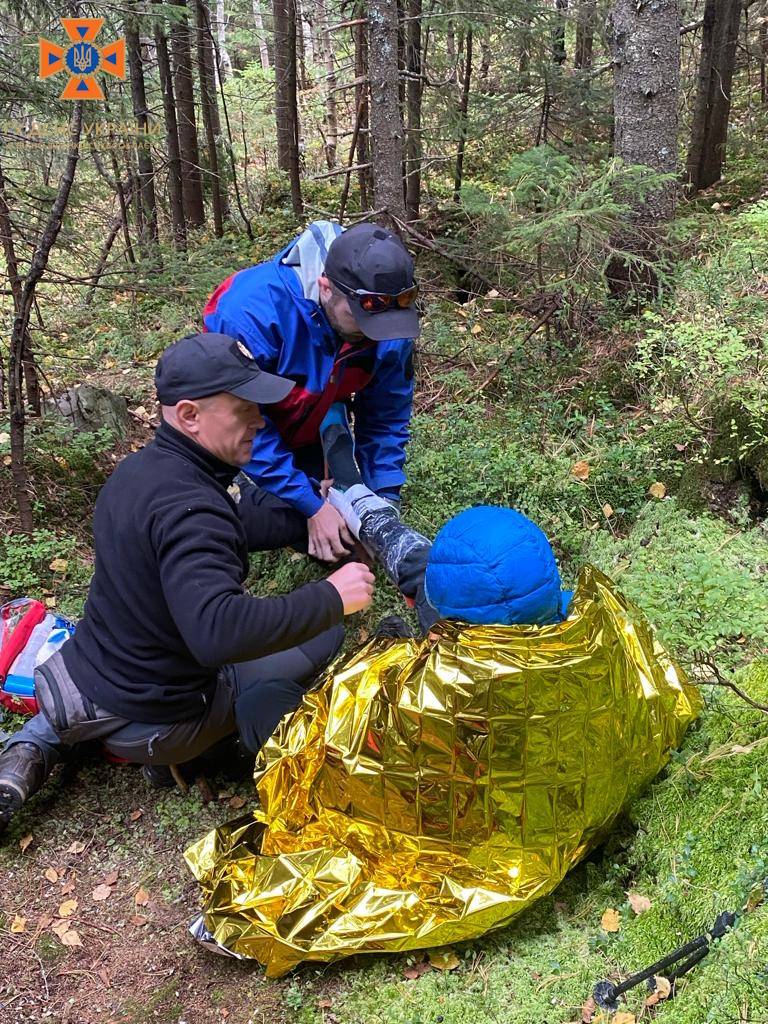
<point>250,698</point>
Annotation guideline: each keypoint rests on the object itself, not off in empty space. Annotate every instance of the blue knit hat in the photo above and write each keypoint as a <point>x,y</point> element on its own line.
<point>494,566</point>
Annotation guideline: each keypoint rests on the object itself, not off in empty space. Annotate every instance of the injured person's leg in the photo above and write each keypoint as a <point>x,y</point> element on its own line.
<point>401,551</point>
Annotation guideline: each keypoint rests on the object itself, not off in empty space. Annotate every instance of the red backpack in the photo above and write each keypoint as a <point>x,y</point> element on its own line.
<point>17,620</point>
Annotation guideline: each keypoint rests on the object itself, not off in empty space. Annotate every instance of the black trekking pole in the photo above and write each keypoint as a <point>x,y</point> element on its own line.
<point>606,993</point>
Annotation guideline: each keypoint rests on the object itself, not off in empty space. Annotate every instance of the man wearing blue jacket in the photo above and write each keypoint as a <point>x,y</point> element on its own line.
<point>335,312</point>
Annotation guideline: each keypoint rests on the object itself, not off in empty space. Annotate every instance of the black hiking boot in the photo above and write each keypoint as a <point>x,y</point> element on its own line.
<point>393,627</point>
<point>158,775</point>
<point>22,773</point>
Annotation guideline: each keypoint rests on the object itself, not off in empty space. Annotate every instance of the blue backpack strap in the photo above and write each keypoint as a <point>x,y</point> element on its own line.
<point>318,237</point>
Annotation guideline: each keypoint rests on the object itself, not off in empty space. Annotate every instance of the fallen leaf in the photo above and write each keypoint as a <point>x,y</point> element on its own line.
<point>224,795</point>
<point>111,878</point>
<point>609,922</point>
<point>492,294</point>
<point>44,921</point>
<point>5,437</point>
<point>24,843</point>
<point>138,920</point>
<point>414,971</point>
<point>623,1018</point>
<point>71,938</point>
<point>607,510</point>
<point>476,329</point>
<point>18,924</point>
<point>237,802</point>
<point>105,977</point>
<point>756,896</point>
<point>52,875</point>
<point>141,899</point>
<point>662,990</point>
<point>324,1004</point>
<point>681,447</point>
<point>640,904</point>
<point>657,490</point>
<point>580,470</point>
<point>135,815</point>
<point>100,893</point>
<point>50,602</point>
<point>67,908</point>
<point>59,565</point>
<point>59,927</point>
<point>7,460</point>
<point>588,1011</point>
<point>76,847</point>
<point>443,959</point>
<point>67,888</point>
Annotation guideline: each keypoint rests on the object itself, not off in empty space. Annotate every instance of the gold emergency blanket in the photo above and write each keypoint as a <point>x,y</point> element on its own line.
<point>430,790</point>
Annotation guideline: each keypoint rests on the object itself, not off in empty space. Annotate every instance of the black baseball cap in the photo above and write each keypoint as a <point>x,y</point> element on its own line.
<point>368,256</point>
<point>200,365</point>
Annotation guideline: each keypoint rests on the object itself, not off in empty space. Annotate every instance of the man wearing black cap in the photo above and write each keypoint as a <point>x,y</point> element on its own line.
<point>172,654</point>
<point>334,312</point>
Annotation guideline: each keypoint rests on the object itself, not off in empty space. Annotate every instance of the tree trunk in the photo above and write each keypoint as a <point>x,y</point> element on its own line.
<point>31,381</point>
<point>709,130</point>
<point>258,23</point>
<point>224,64</point>
<point>307,33</point>
<point>117,223</point>
<point>329,63</point>
<point>301,62</point>
<point>646,122</point>
<point>210,112</point>
<point>463,119</point>
<point>413,104</point>
<point>386,122</point>
<point>191,179</point>
<point>763,37</point>
<point>585,33</point>
<point>286,107</point>
<point>20,328</point>
<point>558,32</point>
<point>485,55</point>
<point>140,112</point>
<point>362,105</point>
<point>175,189</point>
<point>524,58</point>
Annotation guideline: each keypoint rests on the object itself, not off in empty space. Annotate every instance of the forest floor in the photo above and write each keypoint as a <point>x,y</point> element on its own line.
<point>96,898</point>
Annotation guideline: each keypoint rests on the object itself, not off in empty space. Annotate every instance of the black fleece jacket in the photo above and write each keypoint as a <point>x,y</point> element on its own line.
<point>166,607</point>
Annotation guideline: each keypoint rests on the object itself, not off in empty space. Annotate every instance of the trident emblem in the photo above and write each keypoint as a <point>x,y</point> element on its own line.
<point>82,59</point>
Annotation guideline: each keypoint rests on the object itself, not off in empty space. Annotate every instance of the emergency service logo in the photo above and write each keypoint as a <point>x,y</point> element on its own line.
<point>82,59</point>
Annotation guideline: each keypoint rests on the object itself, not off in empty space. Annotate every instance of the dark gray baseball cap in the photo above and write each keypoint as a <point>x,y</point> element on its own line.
<point>369,257</point>
<point>200,365</point>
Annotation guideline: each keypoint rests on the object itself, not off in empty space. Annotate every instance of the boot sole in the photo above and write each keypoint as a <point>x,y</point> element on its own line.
<point>11,801</point>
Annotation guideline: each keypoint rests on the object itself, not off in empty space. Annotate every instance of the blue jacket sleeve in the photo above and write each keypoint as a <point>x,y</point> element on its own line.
<point>382,417</point>
<point>240,312</point>
<point>272,467</point>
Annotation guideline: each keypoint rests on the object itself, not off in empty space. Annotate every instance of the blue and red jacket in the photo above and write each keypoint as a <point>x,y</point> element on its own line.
<point>273,309</point>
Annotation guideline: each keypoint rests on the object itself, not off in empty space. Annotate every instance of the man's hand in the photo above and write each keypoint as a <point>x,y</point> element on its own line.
<point>354,582</point>
<point>329,538</point>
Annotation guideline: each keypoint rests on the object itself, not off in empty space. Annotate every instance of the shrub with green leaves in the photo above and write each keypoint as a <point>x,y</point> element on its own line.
<point>25,561</point>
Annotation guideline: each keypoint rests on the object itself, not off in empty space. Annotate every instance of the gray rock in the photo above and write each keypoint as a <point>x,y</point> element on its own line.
<point>89,408</point>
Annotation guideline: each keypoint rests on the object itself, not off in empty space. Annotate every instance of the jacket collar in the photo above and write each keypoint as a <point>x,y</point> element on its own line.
<point>169,439</point>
